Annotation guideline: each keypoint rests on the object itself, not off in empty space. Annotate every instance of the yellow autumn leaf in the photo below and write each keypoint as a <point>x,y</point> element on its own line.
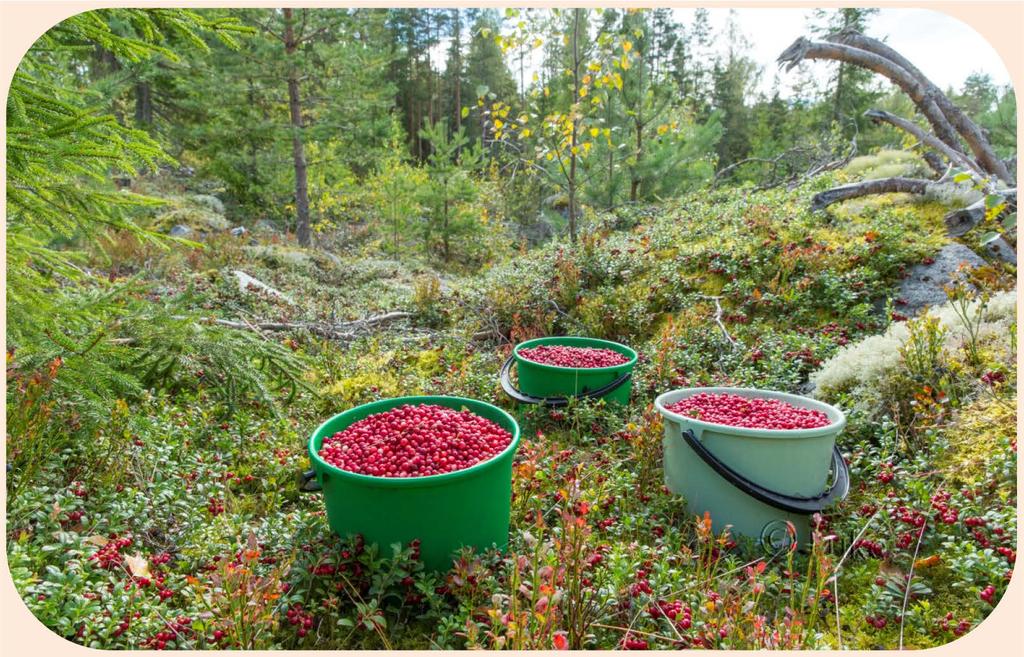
<point>662,129</point>
<point>587,79</point>
<point>586,147</point>
<point>627,45</point>
<point>583,92</point>
<point>575,150</point>
<point>465,112</point>
<point>97,540</point>
<point>595,132</point>
<point>550,156</point>
<point>498,123</point>
<point>537,43</point>
<point>525,133</point>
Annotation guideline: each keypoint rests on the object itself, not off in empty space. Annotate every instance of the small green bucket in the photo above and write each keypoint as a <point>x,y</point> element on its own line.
<point>763,483</point>
<point>445,512</point>
<point>552,385</point>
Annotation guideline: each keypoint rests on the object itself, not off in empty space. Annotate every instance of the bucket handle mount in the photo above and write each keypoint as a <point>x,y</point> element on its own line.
<point>791,503</point>
<point>552,402</point>
<point>308,482</point>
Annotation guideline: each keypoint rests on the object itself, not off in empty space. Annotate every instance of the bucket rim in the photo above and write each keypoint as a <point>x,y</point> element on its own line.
<point>837,417</point>
<point>596,342</point>
<point>383,405</point>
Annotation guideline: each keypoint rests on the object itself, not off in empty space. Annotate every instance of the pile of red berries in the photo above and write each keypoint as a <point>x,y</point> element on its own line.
<point>415,441</point>
<point>749,412</point>
<point>580,357</point>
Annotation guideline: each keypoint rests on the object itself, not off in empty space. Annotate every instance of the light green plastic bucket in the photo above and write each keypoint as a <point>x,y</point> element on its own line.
<point>763,483</point>
<point>445,512</point>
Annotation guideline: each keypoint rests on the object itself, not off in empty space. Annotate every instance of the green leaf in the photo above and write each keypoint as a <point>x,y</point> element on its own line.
<point>1010,222</point>
<point>465,112</point>
<point>963,176</point>
<point>989,236</point>
<point>993,200</point>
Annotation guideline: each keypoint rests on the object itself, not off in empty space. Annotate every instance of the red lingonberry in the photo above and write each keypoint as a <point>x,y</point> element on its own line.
<point>415,441</point>
<point>749,412</point>
<point>579,357</point>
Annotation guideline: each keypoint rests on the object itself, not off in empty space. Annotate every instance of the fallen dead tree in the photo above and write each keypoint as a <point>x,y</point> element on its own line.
<point>954,138</point>
<point>341,331</point>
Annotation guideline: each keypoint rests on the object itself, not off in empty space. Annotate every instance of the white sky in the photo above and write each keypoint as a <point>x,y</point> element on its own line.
<point>945,49</point>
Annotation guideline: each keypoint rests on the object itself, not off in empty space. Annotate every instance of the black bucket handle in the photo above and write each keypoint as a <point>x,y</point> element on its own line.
<point>308,482</point>
<point>552,402</point>
<point>791,503</point>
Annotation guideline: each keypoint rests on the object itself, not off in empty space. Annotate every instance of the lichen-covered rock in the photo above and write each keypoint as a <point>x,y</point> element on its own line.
<point>924,283</point>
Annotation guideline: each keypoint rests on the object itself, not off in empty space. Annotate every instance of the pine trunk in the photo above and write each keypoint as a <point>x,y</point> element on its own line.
<point>298,151</point>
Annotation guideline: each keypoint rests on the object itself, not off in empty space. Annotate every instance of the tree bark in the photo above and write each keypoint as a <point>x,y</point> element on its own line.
<point>959,222</point>
<point>575,120</point>
<point>298,151</point>
<point>634,183</point>
<point>458,72</point>
<point>824,199</point>
<point>143,103</point>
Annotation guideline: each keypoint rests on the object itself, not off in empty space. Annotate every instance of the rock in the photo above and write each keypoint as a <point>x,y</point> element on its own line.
<point>265,226</point>
<point>247,282</point>
<point>179,230</point>
<point>238,231</point>
<point>1001,249</point>
<point>208,201</point>
<point>923,285</point>
<point>333,258</point>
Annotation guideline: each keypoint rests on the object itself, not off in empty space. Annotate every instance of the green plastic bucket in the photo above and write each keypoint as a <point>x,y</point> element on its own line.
<point>445,512</point>
<point>762,483</point>
<point>552,385</point>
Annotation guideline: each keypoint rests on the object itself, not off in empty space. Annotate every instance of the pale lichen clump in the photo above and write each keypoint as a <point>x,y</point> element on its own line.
<point>861,368</point>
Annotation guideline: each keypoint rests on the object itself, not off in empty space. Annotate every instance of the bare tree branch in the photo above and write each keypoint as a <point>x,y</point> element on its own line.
<point>824,199</point>
<point>881,116</point>
<point>343,331</point>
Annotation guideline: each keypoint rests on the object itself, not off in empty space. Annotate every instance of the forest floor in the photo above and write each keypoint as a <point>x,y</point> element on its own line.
<point>178,522</point>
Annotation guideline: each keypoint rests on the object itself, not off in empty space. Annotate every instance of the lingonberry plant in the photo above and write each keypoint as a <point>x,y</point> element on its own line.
<point>164,523</point>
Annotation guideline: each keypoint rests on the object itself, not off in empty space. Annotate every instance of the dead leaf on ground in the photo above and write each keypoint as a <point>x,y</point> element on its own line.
<point>138,566</point>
